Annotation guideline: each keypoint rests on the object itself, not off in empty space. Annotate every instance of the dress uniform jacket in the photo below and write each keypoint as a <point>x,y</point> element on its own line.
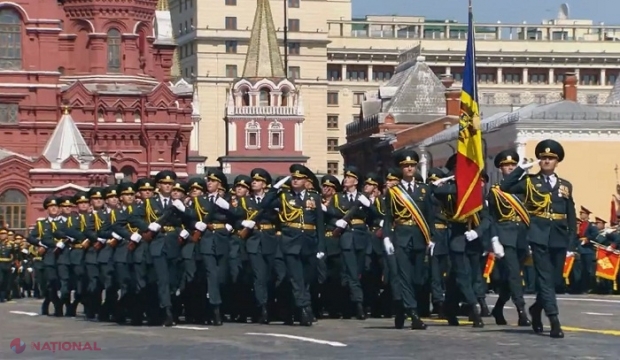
<point>509,216</point>
<point>48,232</point>
<point>81,224</point>
<point>355,236</point>
<point>123,229</point>
<point>262,240</point>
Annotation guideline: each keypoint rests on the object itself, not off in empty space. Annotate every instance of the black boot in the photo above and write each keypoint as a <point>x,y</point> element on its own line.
<point>45,306</point>
<point>306,317</point>
<point>360,314</point>
<point>476,317</point>
<point>168,320</point>
<point>217,317</point>
<point>498,314</point>
<point>523,320</point>
<point>136,310</point>
<point>438,309</point>
<point>69,312</point>
<point>484,308</point>
<point>536,315</point>
<point>399,315</point>
<point>556,329</point>
<point>416,322</point>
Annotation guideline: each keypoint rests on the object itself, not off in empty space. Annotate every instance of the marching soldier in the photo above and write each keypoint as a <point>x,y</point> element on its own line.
<point>510,224</point>
<point>63,260</point>
<point>409,210</point>
<point>92,298</point>
<point>549,200</point>
<point>349,208</point>
<point>438,251</point>
<point>105,256</point>
<point>6,261</point>
<point>303,233</point>
<point>465,249</point>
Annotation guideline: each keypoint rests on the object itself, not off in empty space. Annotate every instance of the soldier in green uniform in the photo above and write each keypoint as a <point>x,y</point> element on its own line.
<point>262,243</point>
<point>351,209</point>
<point>549,200</point>
<point>210,215</point>
<point>174,246</point>
<point>303,233</point>
<point>586,233</point>
<point>408,229</point>
<point>191,286</point>
<point>465,249</point>
<point>92,297</point>
<point>105,256</point>
<point>438,250</point>
<point>79,224</point>
<point>48,234</point>
<point>332,294</point>
<point>510,225</point>
<point>26,276</point>
<point>6,261</point>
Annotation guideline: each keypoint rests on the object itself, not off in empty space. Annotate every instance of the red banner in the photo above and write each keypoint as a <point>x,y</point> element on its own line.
<point>568,267</point>
<point>607,263</point>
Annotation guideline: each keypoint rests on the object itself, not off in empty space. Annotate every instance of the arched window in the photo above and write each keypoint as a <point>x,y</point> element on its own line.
<point>284,97</point>
<point>245,98</point>
<point>252,135</point>
<point>10,40</point>
<point>118,115</point>
<point>13,205</point>
<point>264,98</point>
<point>100,116</point>
<point>136,116</point>
<point>276,135</point>
<point>129,174</point>
<point>114,51</point>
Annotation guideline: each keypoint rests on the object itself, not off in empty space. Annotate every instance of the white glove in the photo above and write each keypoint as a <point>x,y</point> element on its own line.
<point>222,203</point>
<point>12,270</point>
<point>431,248</point>
<point>29,269</point>
<point>42,245</point>
<point>135,237</point>
<point>529,249</point>
<point>154,227</point>
<point>609,231</point>
<point>381,223</point>
<point>609,248</point>
<point>389,247</point>
<point>485,253</point>
<point>24,251</point>
<point>525,165</point>
<point>184,234</point>
<point>341,223</point>
<point>442,180</point>
<point>471,235</point>
<point>101,240</point>
<point>200,226</point>
<point>178,204</point>
<point>248,224</point>
<point>117,236</point>
<point>570,254</point>
<point>323,207</point>
<point>229,228</point>
<point>320,255</point>
<point>498,248</point>
<point>364,200</point>
<point>70,238</point>
<point>279,184</point>
<point>60,245</point>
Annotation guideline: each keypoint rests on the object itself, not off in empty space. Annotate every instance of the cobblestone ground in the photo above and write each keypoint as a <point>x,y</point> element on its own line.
<point>592,326</point>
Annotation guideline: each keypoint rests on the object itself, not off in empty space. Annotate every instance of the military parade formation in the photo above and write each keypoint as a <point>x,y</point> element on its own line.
<point>296,249</point>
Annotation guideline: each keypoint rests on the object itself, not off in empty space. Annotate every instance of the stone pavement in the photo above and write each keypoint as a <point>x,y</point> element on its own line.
<point>591,323</point>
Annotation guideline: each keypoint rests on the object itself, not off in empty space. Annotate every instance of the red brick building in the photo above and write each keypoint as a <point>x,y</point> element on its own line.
<point>88,96</point>
<point>264,113</point>
<point>412,106</point>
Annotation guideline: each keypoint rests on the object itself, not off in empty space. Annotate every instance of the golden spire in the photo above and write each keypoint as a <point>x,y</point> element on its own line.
<point>66,109</point>
<point>263,59</point>
<point>163,5</point>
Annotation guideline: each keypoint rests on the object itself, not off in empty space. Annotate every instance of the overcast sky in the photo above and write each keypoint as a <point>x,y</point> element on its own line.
<point>490,11</point>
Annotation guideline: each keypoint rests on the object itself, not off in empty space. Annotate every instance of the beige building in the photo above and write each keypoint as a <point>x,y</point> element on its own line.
<point>336,60</point>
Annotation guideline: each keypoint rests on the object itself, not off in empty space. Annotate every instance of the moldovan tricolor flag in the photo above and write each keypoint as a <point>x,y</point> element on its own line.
<point>469,158</point>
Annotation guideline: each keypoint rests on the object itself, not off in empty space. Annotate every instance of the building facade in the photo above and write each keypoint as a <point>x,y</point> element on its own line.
<point>88,98</point>
<point>336,59</point>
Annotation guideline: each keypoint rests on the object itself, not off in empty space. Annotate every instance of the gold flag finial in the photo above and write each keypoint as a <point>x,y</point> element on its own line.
<point>66,109</point>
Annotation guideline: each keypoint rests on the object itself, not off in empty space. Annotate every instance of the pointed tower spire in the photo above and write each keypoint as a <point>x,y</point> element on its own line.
<point>263,59</point>
<point>66,141</point>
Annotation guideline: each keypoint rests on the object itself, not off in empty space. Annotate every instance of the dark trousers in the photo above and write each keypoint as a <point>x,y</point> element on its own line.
<point>262,268</point>
<point>479,282</point>
<point>410,266</point>
<point>64,277</point>
<point>440,266</point>
<point>79,279</point>
<point>123,278</point>
<point>216,269</point>
<point>353,263</point>
<point>548,263</point>
<point>459,280</point>
<point>588,271</point>
<point>511,282</point>
<point>301,270</point>
<point>162,273</point>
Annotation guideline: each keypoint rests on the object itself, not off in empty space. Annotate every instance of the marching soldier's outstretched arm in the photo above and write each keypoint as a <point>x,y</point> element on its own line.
<point>107,227</point>
<point>388,219</point>
<point>120,226</point>
<point>73,231</point>
<point>445,189</point>
<point>270,201</point>
<point>515,182</point>
<point>136,218</point>
<point>429,211</point>
<point>485,220</point>
<point>333,208</point>
<point>89,231</point>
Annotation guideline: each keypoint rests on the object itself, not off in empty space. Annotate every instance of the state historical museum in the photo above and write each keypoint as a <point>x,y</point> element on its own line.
<point>89,96</point>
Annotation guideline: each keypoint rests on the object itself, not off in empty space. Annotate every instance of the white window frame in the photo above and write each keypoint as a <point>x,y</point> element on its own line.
<point>252,127</point>
<point>276,127</point>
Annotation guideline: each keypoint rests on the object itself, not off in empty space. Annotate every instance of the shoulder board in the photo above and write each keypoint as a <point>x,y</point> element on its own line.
<point>312,191</point>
